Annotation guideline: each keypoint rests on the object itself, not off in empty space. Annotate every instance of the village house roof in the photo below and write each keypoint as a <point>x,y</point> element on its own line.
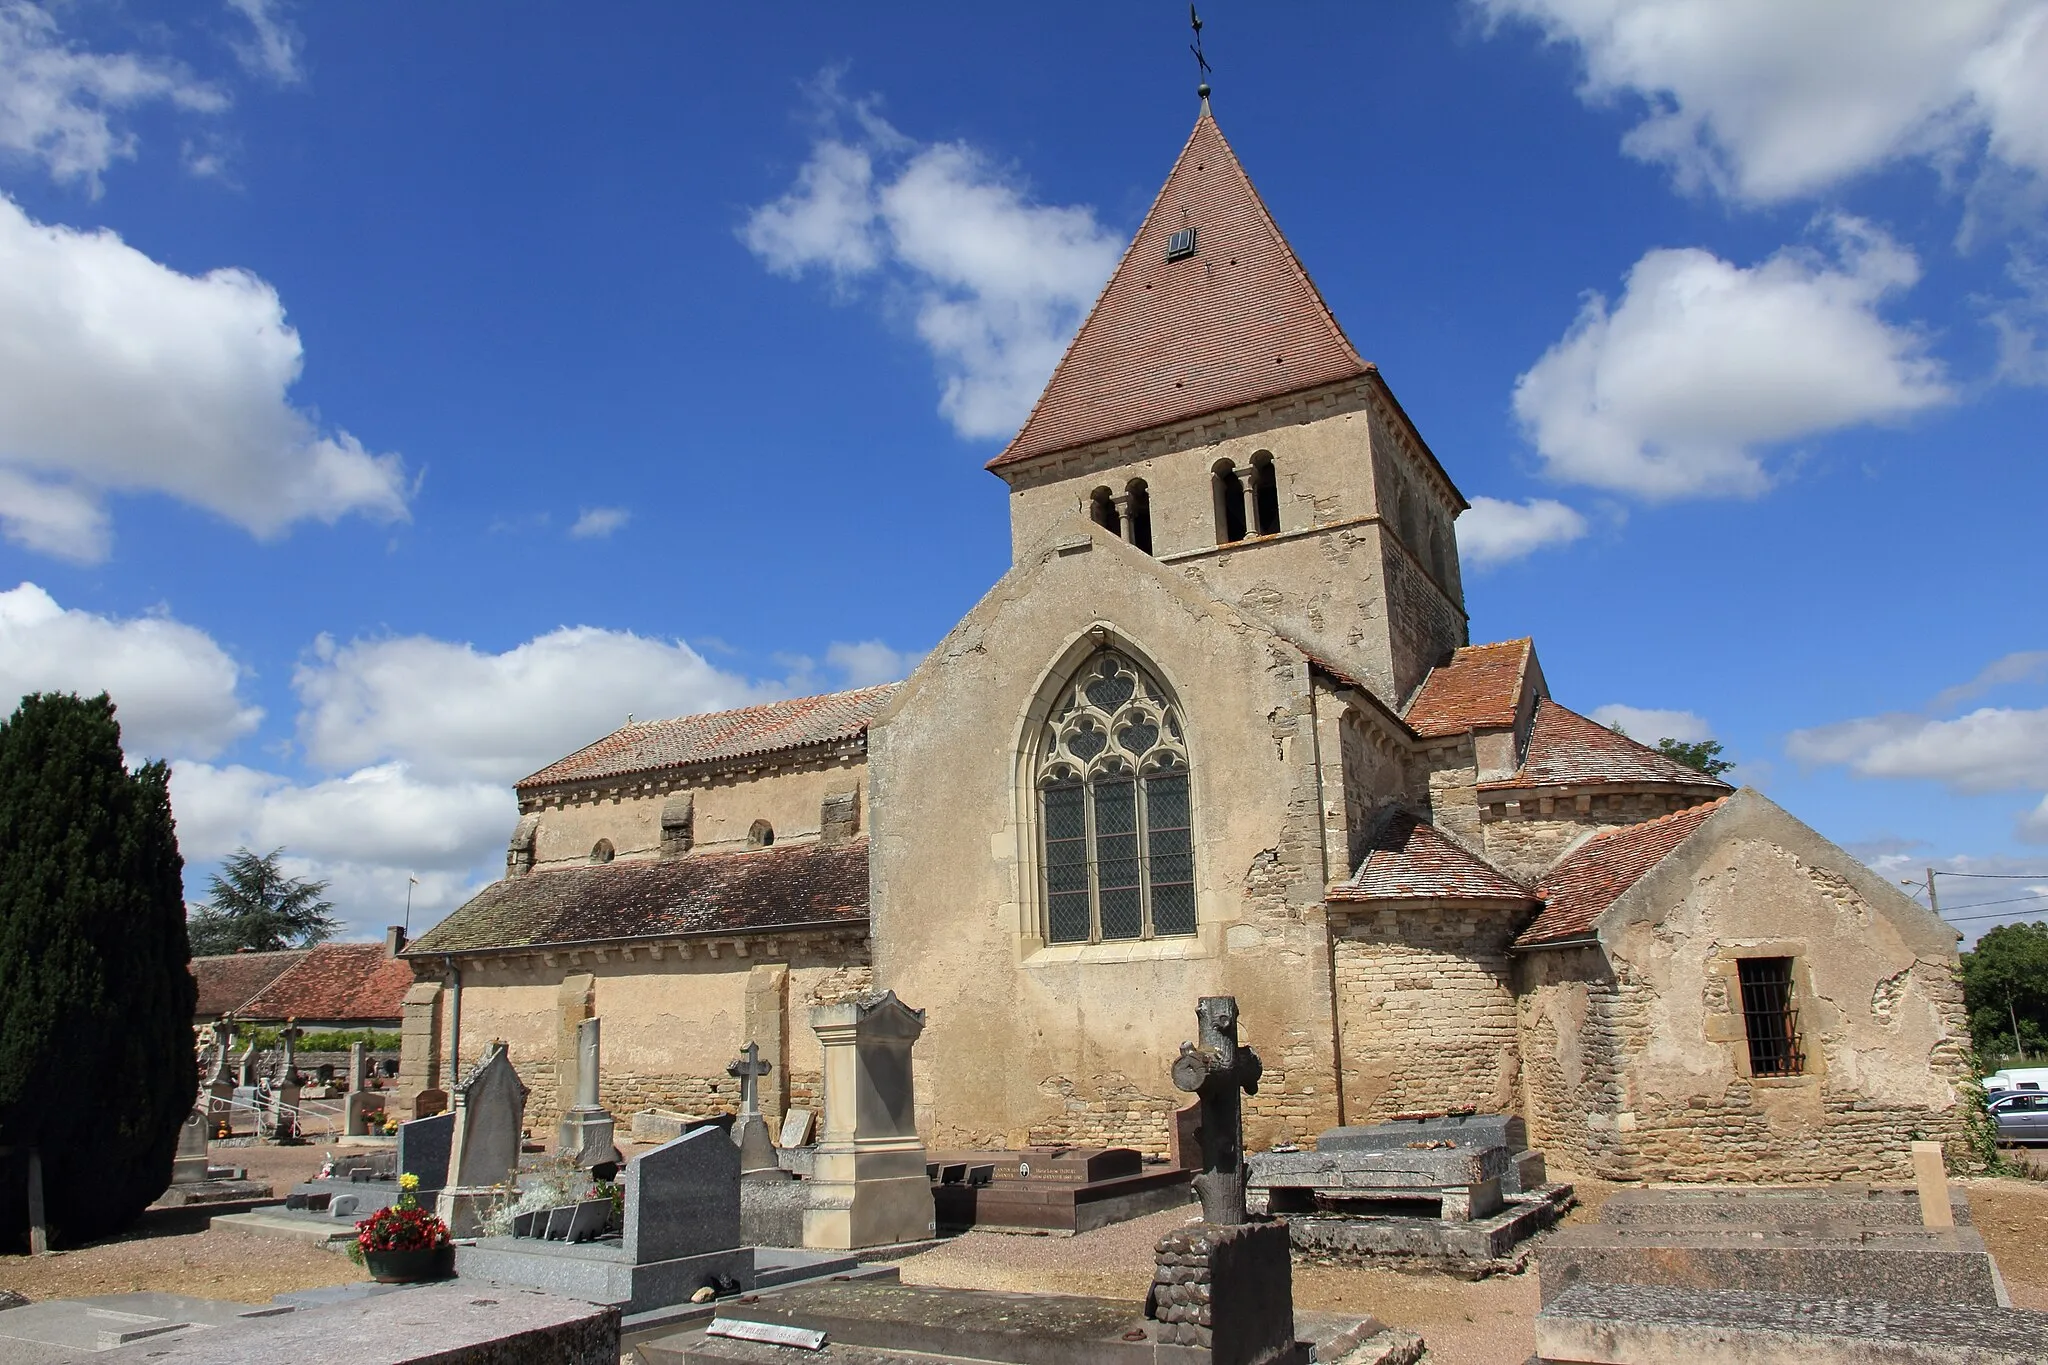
<point>784,887</point>
<point>1565,747</point>
<point>1407,858</point>
<point>1236,321</point>
<point>335,981</point>
<point>1596,874</point>
<point>719,736</point>
<point>227,980</point>
<point>1479,689</point>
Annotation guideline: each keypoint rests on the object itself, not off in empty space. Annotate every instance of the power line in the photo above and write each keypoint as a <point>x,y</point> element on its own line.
<point>2000,876</point>
<point>2009,900</point>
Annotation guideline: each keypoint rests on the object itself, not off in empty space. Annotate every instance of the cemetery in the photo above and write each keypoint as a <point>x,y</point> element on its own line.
<point>721,1243</point>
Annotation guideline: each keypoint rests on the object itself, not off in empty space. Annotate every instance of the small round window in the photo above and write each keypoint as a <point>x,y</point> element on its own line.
<point>601,851</point>
<point>761,835</point>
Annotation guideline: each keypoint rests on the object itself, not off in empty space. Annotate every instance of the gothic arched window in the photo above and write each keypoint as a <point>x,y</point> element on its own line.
<point>1116,847</point>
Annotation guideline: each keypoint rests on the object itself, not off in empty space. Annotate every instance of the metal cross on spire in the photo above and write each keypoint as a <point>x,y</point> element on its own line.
<point>1201,62</point>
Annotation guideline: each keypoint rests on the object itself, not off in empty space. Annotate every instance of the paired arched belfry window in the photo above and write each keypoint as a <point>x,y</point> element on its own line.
<point>1247,500</point>
<point>1115,838</point>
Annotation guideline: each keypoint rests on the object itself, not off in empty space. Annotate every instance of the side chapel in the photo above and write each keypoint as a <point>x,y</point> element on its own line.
<point>1219,730</point>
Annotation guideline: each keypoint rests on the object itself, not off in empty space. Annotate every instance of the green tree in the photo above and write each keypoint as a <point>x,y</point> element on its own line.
<point>252,906</point>
<point>2006,977</point>
<point>96,1062</point>
<point>1702,756</point>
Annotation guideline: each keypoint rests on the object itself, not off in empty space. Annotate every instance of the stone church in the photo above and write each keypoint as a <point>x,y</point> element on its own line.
<point>1220,729</point>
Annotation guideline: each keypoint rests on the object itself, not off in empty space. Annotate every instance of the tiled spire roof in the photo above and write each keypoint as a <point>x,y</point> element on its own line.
<point>1235,322</point>
<point>1405,857</point>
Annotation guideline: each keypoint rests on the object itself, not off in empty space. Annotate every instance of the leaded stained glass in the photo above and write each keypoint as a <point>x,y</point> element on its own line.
<point>1115,822</point>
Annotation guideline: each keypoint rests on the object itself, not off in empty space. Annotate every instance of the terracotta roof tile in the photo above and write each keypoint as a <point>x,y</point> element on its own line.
<point>1566,747</point>
<point>787,886</point>
<point>1595,875</point>
<point>335,981</point>
<point>1236,322</point>
<point>227,980</point>
<point>1407,857</point>
<point>1480,688</point>
<point>720,735</point>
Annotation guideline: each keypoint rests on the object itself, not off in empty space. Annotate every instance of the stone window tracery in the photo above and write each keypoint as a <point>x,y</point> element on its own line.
<point>1115,830</point>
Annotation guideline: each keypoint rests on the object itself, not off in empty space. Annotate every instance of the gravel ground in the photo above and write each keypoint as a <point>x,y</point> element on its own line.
<point>172,1251</point>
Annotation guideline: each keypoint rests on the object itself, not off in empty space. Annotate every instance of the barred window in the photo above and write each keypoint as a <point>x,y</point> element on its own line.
<point>1770,1021</point>
<point>1117,851</point>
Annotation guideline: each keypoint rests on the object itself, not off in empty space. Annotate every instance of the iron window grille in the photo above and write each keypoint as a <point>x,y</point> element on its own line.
<point>1770,1021</point>
<point>1116,847</point>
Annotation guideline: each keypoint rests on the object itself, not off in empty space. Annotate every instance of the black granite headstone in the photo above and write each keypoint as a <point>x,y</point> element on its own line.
<point>423,1148</point>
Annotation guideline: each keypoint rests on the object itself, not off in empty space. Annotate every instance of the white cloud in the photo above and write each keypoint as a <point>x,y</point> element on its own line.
<point>379,815</point>
<point>996,283</point>
<point>175,689</point>
<point>1993,748</point>
<point>120,374</point>
<point>1675,390</point>
<point>272,48</point>
<point>60,105</point>
<point>1763,100</point>
<point>598,522</point>
<point>1646,725</point>
<point>452,711</point>
<point>1990,749</point>
<point>2020,322</point>
<point>867,662</point>
<point>1494,531</point>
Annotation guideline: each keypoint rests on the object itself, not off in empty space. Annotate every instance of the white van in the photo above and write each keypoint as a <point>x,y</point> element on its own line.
<point>2017,1078</point>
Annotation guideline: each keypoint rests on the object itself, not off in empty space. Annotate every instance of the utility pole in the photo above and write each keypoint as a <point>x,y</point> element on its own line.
<point>1933,903</point>
<point>2018,1049</point>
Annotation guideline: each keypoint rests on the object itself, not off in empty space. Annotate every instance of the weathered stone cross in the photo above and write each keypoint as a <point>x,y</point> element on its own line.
<point>290,1033</point>
<point>1215,1072</point>
<point>750,1068</point>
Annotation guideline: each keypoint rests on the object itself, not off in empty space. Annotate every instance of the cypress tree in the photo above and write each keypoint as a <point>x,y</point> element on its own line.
<point>96,1059</point>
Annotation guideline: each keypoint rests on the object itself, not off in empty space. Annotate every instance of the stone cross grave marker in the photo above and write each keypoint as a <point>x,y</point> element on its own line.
<point>587,1132</point>
<point>750,1129</point>
<point>223,1078</point>
<point>284,1100</point>
<point>489,1108</point>
<point>1215,1072</point>
<point>245,1076</point>
<point>358,1067</point>
<point>288,1072</point>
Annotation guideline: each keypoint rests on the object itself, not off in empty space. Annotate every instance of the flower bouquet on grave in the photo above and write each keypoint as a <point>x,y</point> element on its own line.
<point>403,1243</point>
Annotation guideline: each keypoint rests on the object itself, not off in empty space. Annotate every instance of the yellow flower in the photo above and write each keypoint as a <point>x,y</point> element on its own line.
<point>408,1181</point>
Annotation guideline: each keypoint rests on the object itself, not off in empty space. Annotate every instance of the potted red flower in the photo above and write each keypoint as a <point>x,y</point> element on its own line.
<point>404,1242</point>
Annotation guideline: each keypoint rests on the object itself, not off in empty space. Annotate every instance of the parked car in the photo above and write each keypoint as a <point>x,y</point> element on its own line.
<point>2021,1116</point>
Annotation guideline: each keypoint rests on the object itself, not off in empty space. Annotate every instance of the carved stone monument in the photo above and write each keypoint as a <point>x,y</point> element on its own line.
<point>1216,1071</point>
<point>489,1108</point>
<point>587,1132</point>
<point>868,1186</point>
<point>750,1129</point>
<point>220,1086</point>
<point>1224,1285</point>
<point>281,1122</point>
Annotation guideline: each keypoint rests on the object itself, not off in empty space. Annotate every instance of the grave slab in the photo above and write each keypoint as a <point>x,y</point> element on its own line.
<point>446,1324</point>
<point>1604,1324</point>
<point>1846,1206</point>
<point>885,1324</point>
<point>1474,1249</point>
<point>1900,1265</point>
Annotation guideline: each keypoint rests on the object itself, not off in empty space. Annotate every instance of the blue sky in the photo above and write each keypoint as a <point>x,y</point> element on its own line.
<point>394,398</point>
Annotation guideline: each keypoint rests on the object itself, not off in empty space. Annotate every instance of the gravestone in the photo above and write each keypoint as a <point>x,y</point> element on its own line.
<point>282,1120</point>
<point>681,1234</point>
<point>868,1186</point>
<point>430,1102</point>
<point>489,1109</point>
<point>796,1127</point>
<point>189,1166</point>
<point>586,1133</point>
<point>358,1068</point>
<point>750,1129</point>
<point>423,1150</point>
